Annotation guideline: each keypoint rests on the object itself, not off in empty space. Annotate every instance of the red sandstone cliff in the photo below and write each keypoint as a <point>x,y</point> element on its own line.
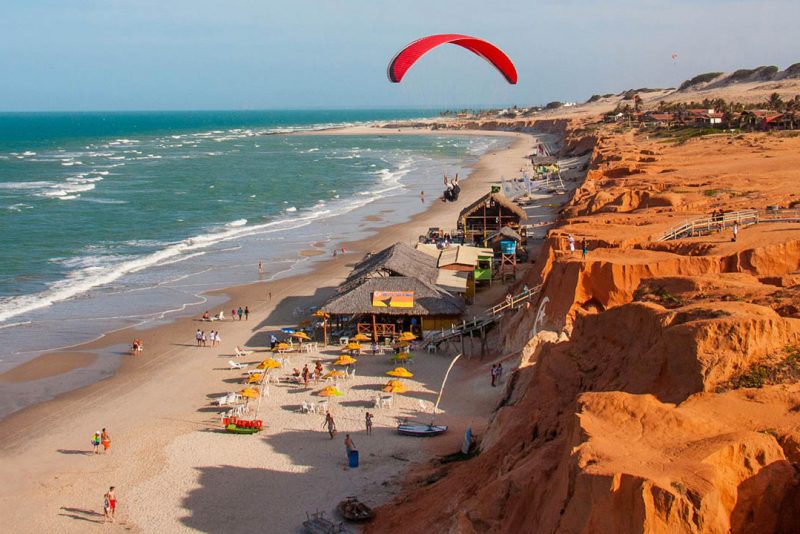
<point>674,404</point>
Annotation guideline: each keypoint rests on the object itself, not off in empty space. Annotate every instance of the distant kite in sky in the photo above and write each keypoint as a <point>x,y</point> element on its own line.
<point>406,57</point>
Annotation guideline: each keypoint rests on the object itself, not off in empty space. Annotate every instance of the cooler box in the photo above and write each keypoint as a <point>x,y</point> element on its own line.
<point>352,456</point>
<point>508,247</point>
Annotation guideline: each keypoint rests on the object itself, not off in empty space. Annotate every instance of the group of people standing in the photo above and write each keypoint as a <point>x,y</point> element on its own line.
<point>202,340</point>
<point>497,373</point>
<point>102,437</point>
<point>571,245</point>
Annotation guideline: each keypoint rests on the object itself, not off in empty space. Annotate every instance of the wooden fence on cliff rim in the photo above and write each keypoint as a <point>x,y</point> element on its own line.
<point>711,223</point>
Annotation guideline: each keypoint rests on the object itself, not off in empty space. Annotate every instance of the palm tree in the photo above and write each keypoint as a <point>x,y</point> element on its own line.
<point>775,102</point>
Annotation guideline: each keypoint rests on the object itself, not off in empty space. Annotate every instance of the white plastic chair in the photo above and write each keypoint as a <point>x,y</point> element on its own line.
<point>376,402</point>
<point>236,365</point>
<point>344,340</point>
<point>386,401</point>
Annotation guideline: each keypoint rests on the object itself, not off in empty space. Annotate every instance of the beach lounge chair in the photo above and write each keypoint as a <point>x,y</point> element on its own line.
<point>236,365</point>
<point>351,374</point>
<point>240,353</point>
<point>386,401</point>
<point>321,406</point>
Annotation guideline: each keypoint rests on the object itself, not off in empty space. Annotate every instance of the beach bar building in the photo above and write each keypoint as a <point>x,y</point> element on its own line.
<point>395,290</point>
<point>488,215</point>
<point>384,307</point>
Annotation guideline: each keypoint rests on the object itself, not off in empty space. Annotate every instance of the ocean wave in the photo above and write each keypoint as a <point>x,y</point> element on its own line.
<point>70,163</point>
<point>236,223</point>
<point>96,272</point>
<point>19,207</point>
<point>291,209</point>
<point>66,191</point>
<point>25,185</point>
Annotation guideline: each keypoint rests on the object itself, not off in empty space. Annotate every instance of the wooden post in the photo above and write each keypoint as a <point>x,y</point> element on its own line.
<point>374,329</point>
<point>324,331</point>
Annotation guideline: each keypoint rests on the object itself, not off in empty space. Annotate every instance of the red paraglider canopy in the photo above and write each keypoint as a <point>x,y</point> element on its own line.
<point>411,53</point>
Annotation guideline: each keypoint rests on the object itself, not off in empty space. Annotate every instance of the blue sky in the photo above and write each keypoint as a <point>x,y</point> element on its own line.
<point>262,54</point>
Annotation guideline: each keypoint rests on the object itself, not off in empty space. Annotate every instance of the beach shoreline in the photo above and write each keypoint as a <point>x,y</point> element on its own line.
<point>152,401</point>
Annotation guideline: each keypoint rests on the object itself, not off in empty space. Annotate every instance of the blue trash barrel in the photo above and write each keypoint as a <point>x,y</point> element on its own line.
<point>352,456</point>
<point>508,247</point>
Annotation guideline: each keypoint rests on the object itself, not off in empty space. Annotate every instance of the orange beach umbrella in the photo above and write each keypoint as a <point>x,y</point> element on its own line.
<point>330,391</point>
<point>400,372</point>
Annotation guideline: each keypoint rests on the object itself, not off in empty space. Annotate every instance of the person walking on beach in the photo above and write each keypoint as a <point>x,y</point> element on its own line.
<point>571,243</point>
<point>204,339</point>
<point>349,445</point>
<point>499,372</point>
<point>273,340</point>
<point>246,313</point>
<point>96,442</point>
<point>109,504</point>
<point>735,231</point>
<point>306,374</point>
<point>584,248</point>
<point>330,423</point>
<point>368,423</point>
<point>105,439</point>
<point>260,267</point>
<point>239,312</point>
<point>318,371</point>
<point>422,196</point>
<point>494,375</point>
<point>199,337</point>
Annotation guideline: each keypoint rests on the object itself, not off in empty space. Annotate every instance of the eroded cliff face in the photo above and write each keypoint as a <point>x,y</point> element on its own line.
<point>660,392</point>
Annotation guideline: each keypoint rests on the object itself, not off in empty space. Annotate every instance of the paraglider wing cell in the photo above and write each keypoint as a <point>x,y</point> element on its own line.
<point>406,58</point>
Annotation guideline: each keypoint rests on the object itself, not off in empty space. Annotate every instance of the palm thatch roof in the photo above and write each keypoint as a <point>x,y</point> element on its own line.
<point>428,299</point>
<point>543,160</point>
<point>398,260</point>
<point>498,198</point>
<point>506,233</point>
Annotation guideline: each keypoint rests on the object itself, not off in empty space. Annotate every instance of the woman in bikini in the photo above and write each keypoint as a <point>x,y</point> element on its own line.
<point>105,439</point>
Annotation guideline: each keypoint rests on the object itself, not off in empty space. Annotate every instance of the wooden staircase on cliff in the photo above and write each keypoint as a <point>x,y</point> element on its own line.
<point>479,324</point>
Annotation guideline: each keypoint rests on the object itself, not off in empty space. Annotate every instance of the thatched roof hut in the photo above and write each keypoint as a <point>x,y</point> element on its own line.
<point>493,199</point>
<point>505,233</point>
<point>488,215</point>
<point>428,299</point>
<point>398,260</point>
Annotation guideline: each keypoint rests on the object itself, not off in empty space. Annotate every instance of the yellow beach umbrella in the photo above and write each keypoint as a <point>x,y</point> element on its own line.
<point>345,359</point>
<point>361,337</point>
<point>269,363</point>
<point>407,336</point>
<point>300,335</point>
<point>395,383</point>
<point>353,346</point>
<point>400,372</point>
<point>281,346</point>
<point>321,314</point>
<point>335,374</point>
<point>396,387</point>
<point>254,378</point>
<point>249,393</point>
<point>403,356</point>
<point>330,391</point>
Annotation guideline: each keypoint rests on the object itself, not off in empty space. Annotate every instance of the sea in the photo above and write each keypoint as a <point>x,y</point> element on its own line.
<point>111,220</point>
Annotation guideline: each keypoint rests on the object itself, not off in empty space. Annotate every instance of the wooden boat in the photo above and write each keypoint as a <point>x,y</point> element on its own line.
<point>420,431</point>
<point>242,426</point>
<point>354,510</point>
<point>319,524</point>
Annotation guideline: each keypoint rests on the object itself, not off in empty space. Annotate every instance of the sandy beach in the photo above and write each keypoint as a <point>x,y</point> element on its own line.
<point>173,470</point>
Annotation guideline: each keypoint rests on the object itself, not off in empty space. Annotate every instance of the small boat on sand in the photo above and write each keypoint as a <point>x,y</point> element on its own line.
<point>420,431</point>
<point>354,510</point>
<point>317,523</point>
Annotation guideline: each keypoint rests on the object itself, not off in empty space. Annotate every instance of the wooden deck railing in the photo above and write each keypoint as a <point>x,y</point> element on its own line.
<point>708,224</point>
